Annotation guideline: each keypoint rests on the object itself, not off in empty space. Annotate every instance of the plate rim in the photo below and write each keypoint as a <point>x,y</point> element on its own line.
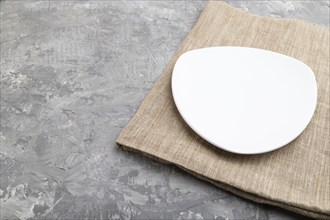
<point>226,148</point>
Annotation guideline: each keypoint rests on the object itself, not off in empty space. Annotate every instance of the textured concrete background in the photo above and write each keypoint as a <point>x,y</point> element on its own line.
<point>72,75</point>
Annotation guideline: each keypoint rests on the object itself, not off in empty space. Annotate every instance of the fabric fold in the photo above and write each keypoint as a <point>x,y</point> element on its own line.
<point>295,177</point>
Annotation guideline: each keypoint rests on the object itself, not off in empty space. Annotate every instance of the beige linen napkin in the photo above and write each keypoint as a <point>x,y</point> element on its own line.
<point>295,177</point>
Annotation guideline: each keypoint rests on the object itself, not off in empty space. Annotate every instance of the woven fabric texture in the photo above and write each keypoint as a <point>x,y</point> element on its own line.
<point>295,177</point>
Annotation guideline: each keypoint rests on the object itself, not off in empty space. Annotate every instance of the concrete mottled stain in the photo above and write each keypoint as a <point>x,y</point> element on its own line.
<point>72,76</point>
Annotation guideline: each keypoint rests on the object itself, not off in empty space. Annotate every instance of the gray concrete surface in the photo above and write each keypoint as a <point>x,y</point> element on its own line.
<point>73,73</point>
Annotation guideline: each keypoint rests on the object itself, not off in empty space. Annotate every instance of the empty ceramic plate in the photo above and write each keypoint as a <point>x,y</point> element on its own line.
<point>244,100</point>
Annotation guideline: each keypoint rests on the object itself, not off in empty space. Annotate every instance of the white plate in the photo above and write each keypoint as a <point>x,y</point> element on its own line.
<point>244,100</point>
